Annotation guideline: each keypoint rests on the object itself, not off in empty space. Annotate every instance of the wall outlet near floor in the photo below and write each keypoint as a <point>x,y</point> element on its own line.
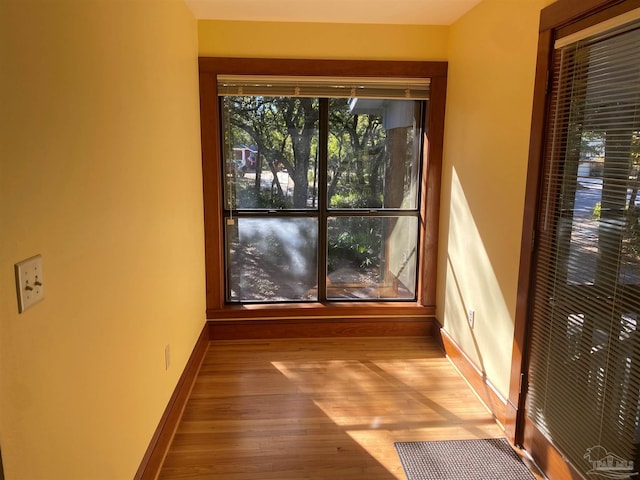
<point>29,282</point>
<point>167,357</point>
<point>471,317</point>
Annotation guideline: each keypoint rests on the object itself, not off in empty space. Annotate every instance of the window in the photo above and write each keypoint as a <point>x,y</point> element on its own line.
<point>317,181</point>
<point>298,183</point>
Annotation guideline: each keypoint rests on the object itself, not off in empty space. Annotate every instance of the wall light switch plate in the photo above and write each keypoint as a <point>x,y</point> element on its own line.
<point>29,282</point>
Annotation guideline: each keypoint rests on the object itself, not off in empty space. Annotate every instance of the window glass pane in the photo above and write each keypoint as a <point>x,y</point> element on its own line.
<point>272,160</point>
<point>601,205</point>
<point>272,259</point>
<point>270,152</point>
<point>373,153</point>
<point>372,257</point>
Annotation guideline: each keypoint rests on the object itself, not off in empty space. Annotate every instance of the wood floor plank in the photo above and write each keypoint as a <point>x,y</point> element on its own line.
<point>308,409</point>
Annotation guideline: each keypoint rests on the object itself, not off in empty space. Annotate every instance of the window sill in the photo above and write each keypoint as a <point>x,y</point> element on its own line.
<point>370,310</point>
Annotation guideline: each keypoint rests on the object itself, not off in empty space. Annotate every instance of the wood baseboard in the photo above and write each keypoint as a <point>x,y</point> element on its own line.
<point>255,329</point>
<point>151,464</point>
<point>496,403</point>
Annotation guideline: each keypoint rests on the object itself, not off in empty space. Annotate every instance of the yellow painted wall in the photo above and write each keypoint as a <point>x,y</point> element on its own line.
<point>99,146</point>
<point>100,173</point>
<point>321,40</point>
<point>492,56</point>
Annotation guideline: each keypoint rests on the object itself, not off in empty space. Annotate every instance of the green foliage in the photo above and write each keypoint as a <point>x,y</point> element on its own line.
<point>351,199</point>
<point>633,230</point>
<point>248,197</point>
<point>359,243</point>
<point>283,129</point>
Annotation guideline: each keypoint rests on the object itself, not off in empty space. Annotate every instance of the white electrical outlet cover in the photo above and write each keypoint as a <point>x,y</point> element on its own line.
<point>29,282</point>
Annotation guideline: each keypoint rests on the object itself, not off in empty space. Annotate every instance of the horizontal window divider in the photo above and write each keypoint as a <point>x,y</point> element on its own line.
<point>372,213</point>
<point>328,213</point>
<point>274,214</point>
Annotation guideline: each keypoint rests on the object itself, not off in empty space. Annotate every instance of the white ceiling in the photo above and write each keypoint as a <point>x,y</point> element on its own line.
<point>403,12</point>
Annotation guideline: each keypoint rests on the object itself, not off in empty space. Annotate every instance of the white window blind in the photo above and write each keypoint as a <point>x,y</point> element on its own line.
<point>584,372</point>
<point>323,87</point>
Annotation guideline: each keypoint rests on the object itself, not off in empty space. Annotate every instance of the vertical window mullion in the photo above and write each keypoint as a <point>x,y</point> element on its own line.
<point>323,152</point>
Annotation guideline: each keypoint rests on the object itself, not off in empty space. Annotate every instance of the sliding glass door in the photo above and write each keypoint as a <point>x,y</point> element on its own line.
<point>584,372</point>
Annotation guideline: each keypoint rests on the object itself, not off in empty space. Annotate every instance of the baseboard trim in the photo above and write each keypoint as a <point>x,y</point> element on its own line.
<point>494,401</point>
<point>153,459</point>
<point>256,329</point>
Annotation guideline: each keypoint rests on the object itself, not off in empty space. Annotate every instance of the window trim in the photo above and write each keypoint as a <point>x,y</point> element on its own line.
<point>209,69</point>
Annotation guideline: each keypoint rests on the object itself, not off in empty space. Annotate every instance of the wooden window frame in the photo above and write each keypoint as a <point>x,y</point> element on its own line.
<point>558,20</point>
<point>209,69</point>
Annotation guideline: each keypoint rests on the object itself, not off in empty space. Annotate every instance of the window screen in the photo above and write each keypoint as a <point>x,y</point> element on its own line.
<point>321,187</point>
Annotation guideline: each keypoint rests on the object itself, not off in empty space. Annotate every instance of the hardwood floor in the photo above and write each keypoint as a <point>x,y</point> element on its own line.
<point>319,409</point>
